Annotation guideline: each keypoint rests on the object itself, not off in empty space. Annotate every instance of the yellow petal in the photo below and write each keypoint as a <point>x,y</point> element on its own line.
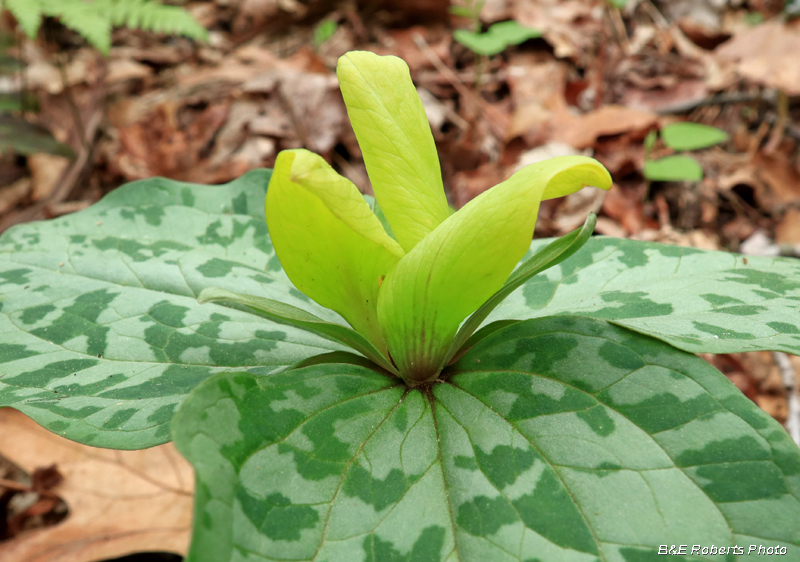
<point>329,242</point>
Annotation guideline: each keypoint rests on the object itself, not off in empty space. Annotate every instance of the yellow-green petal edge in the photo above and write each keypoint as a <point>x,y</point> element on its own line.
<point>331,245</point>
<point>396,141</point>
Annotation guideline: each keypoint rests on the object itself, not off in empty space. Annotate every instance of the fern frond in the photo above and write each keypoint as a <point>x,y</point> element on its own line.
<point>28,14</point>
<point>152,16</point>
<point>84,18</point>
<point>94,19</point>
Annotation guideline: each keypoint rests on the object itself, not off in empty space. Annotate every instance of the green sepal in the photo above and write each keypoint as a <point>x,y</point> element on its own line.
<point>376,208</point>
<point>287,314</point>
<point>339,358</point>
<point>482,333</point>
<point>552,254</point>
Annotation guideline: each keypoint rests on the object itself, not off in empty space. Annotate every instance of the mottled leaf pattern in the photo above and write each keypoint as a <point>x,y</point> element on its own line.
<point>555,439</point>
<point>100,333</point>
<point>699,301</point>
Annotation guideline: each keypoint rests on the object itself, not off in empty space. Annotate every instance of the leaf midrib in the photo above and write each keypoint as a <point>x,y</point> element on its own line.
<point>543,456</point>
<point>440,459</point>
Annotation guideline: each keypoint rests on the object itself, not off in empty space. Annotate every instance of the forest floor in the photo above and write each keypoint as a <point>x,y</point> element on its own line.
<point>597,81</point>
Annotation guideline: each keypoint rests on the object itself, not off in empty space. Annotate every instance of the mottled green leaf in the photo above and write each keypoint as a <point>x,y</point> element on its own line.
<point>330,462</point>
<point>555,439</point>
<point>101,335</point>
<point>696,300</point>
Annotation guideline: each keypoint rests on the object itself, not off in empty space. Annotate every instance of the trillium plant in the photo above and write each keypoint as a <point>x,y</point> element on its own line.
<point>360,379</point>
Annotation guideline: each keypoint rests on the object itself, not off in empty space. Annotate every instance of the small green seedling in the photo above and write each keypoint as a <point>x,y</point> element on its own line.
<point>681,137</point>
<point>323,31</point>
<point>389,382</point>
<point>469,9</point>
<point>491,42</point>
<point>497,38</point>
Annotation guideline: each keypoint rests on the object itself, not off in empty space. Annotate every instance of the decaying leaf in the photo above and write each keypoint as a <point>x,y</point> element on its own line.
<point>120,502</point>
<point>568,25</point>
<point>788,231</point>
<point>767,54</point>
<point>537,90</point>
<point>582,131</point>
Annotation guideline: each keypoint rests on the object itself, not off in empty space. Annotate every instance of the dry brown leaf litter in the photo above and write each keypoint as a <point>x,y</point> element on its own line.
<point>120,502</point>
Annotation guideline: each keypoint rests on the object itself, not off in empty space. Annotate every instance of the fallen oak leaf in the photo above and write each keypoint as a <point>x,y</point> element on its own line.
<point>120,502</point>
<point>582,131</point>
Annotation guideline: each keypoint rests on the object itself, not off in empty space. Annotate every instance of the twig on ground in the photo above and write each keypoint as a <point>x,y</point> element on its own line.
<point>73,106</point>
<point>354,18</point>
<point>619,28</point>
<point>80,130</point>
<point>756,138</point>
<point>721,99</point>
<point>67,207</point>
<point>780,124</point>
<point>24,98</point>
<point>73,173</point>
<point>790,383</point>
<point>741,206</point>
<point>790,129</point>
<point>656,15</point>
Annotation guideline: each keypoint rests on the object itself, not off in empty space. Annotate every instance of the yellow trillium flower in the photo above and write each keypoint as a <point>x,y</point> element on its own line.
<point>405,295</point>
